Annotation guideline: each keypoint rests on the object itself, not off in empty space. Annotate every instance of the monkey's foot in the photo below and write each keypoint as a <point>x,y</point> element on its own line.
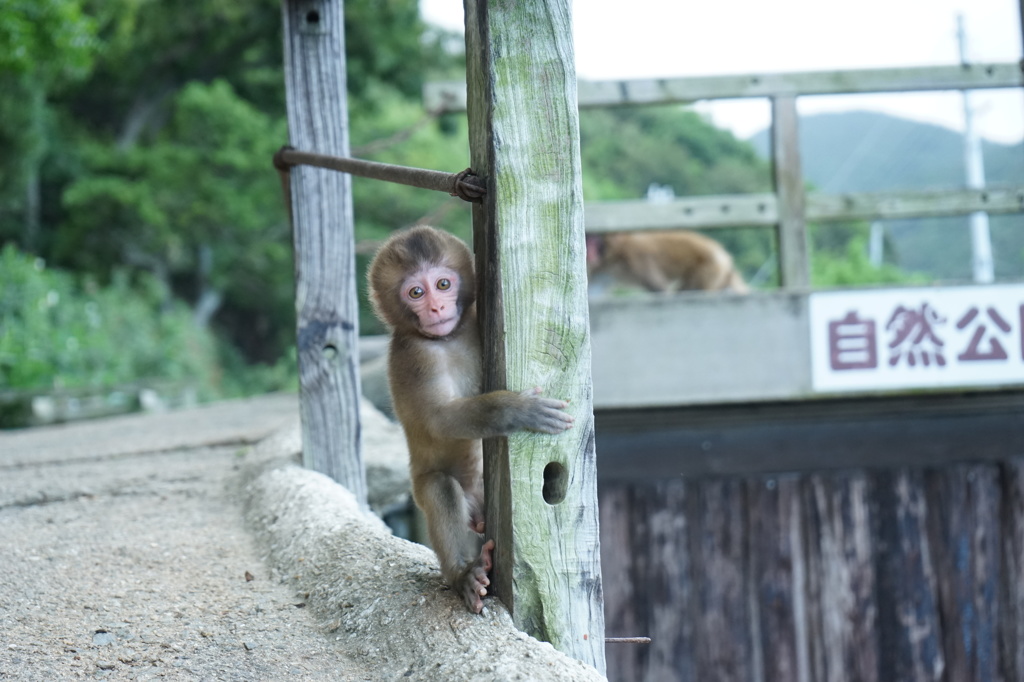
<point>474,582</point>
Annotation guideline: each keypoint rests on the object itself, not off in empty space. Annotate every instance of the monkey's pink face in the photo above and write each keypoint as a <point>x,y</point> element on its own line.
<point>432,294</point>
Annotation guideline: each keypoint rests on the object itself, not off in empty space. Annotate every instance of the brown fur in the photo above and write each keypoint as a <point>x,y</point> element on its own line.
<point>667,261</point>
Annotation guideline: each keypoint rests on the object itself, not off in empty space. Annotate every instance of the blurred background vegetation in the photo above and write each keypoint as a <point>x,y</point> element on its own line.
<point>142,228</point>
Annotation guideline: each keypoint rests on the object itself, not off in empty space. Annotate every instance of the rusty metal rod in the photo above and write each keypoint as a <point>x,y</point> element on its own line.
<point>464,185</point>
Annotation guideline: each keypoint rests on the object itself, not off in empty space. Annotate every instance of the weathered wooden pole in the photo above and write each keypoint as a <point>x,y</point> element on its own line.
<point>795,269</point>
<point>321,202</point>
<point>541,490</point>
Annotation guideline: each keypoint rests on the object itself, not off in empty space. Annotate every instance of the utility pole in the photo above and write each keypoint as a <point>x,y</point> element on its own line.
<point>876,244</point>
<point>974,163</point>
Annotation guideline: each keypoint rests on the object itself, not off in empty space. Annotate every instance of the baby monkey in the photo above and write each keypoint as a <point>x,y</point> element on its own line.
<point>422,286</point>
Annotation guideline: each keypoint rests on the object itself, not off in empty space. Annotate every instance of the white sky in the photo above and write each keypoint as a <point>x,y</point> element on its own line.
<point>669,38</point>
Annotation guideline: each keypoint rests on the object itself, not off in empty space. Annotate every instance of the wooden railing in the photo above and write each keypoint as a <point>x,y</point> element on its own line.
<point>788,207</point>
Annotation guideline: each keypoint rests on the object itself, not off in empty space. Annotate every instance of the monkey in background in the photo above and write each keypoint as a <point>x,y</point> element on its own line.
<point>663,261</point>
<point>422,287</point>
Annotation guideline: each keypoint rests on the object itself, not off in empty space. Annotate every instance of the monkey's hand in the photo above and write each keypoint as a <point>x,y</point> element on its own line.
<point>499,413</point>
<point>473,583</point>
<point>545,415</point>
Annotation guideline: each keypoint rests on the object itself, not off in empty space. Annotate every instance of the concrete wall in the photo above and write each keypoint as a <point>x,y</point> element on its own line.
<point>699,348</point>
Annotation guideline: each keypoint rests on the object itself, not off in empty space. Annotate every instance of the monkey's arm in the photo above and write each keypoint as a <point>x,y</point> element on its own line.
<point>499,413</point>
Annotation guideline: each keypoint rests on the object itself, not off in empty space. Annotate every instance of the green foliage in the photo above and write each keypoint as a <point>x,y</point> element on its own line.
<point>204,184</point>
<point>190,168</point>
<point>242,377</point>
<point>625,150</point>
<point>45,45</point>
<point>154,165</point>
<point>839,258</point>
<point>153,49</point>
<point>383,207</point>
<point>383,47</point>
<point>49,40</point>
<point>59,332</point>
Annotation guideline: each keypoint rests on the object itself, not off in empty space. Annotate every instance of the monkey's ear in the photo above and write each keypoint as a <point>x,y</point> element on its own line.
<point>388,308</point>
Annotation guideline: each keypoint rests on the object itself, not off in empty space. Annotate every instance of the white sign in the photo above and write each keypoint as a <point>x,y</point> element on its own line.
<point>917,338</point>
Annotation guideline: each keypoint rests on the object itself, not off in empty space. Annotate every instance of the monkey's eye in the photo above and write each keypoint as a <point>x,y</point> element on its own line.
<point>416,292</point>
<point>444,284</point>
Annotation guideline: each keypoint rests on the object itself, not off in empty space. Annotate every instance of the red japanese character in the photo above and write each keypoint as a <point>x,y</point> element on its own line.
<point>851,343</point>
<point>914,336</point>
<point>995,349</point>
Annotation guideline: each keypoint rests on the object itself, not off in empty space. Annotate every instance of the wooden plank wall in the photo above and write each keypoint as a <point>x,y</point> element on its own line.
<point>902,574</point>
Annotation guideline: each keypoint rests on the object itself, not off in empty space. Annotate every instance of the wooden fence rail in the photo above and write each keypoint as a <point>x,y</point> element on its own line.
<point>451,95</point>
<point>788,208</point>
<point>761,210</point>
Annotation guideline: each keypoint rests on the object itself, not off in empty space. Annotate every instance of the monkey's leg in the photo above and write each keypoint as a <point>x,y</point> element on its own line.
<point>472,483</point>
<point>464,559</point>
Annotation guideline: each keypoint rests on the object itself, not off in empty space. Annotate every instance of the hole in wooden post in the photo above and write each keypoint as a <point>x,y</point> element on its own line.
<point>312,17</point>
<point>556,480</point>
<point>330,351</point>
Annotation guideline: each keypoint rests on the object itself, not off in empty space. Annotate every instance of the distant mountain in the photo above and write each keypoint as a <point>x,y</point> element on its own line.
<point>871,152</point>
<point>862,151</point>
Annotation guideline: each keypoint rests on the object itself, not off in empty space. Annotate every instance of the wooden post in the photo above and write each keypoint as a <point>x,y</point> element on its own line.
<point>963,503</point>
<point>909,625</point>
<point>789,185</point>
<point>325,287</point>
<point>842,592</point>
<point>541,490</point>
<point>1011,592</point>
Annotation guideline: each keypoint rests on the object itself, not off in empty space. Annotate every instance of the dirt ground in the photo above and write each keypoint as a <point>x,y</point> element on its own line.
<point>112,568</point>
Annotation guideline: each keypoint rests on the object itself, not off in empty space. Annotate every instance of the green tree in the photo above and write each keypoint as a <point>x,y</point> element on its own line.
<point>625,150</point>
<point>144,153</point>
<point>199,207</point>
<point>44,46</point>
<point>164,178</point>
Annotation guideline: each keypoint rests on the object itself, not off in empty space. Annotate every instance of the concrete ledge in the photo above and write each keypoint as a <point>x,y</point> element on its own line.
<point>380,597</point>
